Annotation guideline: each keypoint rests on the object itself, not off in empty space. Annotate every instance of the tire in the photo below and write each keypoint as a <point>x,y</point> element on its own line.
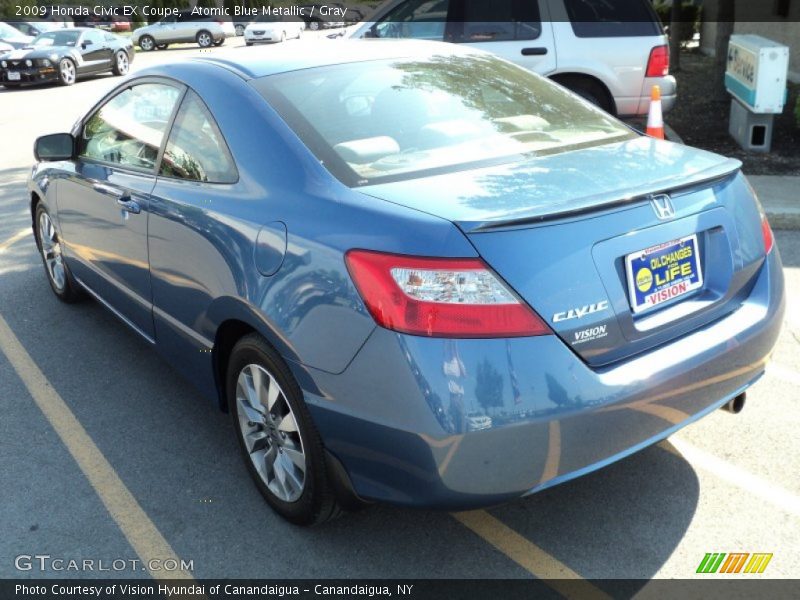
<point>313,25</point>
<point>66,71</point>
<point>283,36</point>
<point>162,46</point>
<point>122,64</point>
<point>204,39</point>
<point>147,43</point>
<point>590,90</point>
<point>281,437</point>
<point>59,277</point>
<point>219,42</point>
<point>248,43</point>
<point>239,30</point>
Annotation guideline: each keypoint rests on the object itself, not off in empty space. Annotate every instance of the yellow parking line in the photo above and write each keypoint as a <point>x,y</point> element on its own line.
<point>14,239</point>
<point>137,527</point>
<point>529,556</point>
<point>744,480</point>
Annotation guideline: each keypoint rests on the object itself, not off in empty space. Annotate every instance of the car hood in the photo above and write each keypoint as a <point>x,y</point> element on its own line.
<point>32,53</point>
<point>557,185</point>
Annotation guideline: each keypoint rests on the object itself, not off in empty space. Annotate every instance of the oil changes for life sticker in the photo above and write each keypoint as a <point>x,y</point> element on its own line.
<point>662,273</point>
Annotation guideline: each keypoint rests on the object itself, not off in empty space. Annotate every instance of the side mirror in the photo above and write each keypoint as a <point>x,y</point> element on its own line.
<point>86,43</point>
<point>57,146</point>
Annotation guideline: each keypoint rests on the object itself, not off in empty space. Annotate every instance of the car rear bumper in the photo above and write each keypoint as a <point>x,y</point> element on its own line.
<point>640,105</point>
<point>30,75</point>
<point>407,418</point>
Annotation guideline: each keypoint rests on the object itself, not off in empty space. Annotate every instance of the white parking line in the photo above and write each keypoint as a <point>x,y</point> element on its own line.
<point>782,372</point>
<point>752,484</point>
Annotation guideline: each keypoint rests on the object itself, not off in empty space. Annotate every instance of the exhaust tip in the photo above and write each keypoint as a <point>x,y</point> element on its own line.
<point>736,405</point>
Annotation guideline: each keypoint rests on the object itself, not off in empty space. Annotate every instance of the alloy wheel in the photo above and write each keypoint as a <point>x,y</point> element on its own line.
<point>204,40</point>
<point>270,433</point>
<point>122,63</point>
<point>51,252</point>
<point>67,71</point>
<point>146,43</point>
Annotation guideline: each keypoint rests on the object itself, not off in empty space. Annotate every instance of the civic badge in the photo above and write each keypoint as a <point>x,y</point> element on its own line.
<point>662,205</point>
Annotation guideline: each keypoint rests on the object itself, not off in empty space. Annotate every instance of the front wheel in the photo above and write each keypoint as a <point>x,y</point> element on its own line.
<point>66,72</point>
<point>121,63</point>
<point>280,443</point>
<point>204,39</point>
<point>58,275</point>
<point>147,43</point>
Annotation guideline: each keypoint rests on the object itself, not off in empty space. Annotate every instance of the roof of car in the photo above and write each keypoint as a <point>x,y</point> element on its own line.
<point>270,60</point>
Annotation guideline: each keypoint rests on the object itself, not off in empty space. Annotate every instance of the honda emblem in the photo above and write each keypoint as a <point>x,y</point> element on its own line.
<point>662,204</point>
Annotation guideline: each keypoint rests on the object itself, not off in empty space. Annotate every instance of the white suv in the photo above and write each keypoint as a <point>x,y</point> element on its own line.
<point>181,28</point>
<point>610,52</point>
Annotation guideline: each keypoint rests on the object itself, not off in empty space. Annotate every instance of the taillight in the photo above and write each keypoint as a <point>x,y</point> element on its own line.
<point>658,65</point>
<point>440,297</point>
<point>766,232</point>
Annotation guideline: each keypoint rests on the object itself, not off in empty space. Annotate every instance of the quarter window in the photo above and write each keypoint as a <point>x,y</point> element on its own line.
<point>622,18</point>
<point>497,21</point>
<point>129,128</point>
<point>196,150</point>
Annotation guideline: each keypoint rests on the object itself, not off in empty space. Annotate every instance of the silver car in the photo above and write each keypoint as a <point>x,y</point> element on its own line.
<point>183,27</point>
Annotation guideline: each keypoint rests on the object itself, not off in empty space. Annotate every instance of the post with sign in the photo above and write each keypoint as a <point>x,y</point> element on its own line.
<point>756,78</point>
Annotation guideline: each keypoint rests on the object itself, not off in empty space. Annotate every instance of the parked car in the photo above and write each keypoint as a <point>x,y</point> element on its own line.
<point>13,36</point>
<point>64,56</point>
<point>34,28</point>
<point>611,53</point>
<point>271,29</point>
<point>183,28</point>
<point>319,16</point>
<point>351,251</point>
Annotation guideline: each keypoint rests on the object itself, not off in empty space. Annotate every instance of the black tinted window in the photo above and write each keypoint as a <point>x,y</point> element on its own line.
<point>497,21</point>
<point>196,150</point>
<point>129,128</point>
<point>612,18</point>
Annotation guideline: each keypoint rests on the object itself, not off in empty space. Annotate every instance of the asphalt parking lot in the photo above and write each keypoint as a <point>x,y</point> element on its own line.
<point>106,454</point>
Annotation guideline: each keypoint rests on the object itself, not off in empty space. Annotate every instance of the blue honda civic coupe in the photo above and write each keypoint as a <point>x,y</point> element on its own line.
<point>413,273</point>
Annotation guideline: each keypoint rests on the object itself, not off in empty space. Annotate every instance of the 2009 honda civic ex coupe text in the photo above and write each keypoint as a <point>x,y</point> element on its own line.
<point>414,273</point>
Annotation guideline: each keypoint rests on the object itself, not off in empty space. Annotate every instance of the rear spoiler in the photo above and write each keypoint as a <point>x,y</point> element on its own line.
<point>579,206</point>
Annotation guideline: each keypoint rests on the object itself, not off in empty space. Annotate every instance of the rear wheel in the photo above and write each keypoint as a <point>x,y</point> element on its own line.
<point>147,43</point>
<point>280,443</point>
<point>66,71</point>
<point>204,39</point>
<point>162,46</point>
<point>240,30</point>
<point>589,89</point>
<point>58,275</point>
<point>121,63</point>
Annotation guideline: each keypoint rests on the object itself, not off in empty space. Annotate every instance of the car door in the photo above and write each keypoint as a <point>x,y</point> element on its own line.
<point>520,32</point>
<point>95,52</point>
<point>165,30</point>
<point>104,205</point>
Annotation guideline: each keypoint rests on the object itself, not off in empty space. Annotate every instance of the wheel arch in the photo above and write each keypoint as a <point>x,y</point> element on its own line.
<point>571,79</point>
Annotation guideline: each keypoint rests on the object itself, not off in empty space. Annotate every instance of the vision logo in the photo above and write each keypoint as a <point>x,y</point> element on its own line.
<point>734,562</point>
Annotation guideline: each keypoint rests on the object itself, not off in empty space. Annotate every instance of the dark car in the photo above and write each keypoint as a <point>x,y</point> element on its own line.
<point>319,16</point>
<point>65,55</point>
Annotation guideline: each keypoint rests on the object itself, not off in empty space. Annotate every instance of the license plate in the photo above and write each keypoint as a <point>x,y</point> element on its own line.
<point>662,273</point>
<point>14,76</point>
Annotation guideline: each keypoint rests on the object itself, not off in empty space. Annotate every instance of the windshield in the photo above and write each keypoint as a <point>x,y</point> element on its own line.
<point>7,30</point>
<point>57,38</point>
<point>397,119</point>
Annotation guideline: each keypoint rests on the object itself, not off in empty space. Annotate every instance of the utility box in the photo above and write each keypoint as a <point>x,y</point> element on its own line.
<point>756,78</point>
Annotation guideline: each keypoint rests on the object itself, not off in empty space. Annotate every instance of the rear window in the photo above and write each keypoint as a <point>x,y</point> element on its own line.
<point>397,119</point>
<point>613,18</point>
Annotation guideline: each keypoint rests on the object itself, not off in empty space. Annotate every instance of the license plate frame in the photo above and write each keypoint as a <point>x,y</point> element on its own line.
<point>14,76</point>
<point>662,273</point>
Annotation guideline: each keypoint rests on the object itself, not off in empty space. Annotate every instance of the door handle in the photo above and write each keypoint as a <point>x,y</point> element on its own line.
<point>534,51</point>
<point>108,189</point>
<point>129,205</point>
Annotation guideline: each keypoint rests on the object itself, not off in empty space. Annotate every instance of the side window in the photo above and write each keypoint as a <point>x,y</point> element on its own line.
<point>95,37</point>
<point>128,129</point>
<point>195,149</point>
<point>417,19</point>
<point>622,18</point>
<point>497,21</point>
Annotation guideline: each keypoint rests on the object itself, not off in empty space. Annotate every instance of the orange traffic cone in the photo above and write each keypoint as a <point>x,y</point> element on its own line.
<point>655,120</point>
